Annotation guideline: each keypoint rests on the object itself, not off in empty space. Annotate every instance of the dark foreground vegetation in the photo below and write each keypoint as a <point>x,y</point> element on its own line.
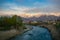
<point>58,27</point>
<point>6,23</point>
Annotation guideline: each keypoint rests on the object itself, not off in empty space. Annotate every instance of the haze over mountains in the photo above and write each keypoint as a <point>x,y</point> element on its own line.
<point>37,16</point>
<point>28,15</point>
<point>41,18</point>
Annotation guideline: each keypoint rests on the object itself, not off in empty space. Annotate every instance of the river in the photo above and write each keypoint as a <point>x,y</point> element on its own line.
<point>37,33</point>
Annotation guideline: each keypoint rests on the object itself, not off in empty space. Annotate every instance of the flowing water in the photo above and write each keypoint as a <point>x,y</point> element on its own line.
<point>37,33</point>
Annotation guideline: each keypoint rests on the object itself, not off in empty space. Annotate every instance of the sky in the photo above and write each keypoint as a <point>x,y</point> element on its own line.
<point>29,7</point>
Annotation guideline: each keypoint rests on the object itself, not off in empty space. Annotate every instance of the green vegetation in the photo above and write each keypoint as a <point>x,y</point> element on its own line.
<point>57,25</point>
<point>7,23</point>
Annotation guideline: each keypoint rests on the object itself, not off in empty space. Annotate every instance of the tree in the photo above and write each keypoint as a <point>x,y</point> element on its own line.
<point>17,21</point>
<point>7,22</point>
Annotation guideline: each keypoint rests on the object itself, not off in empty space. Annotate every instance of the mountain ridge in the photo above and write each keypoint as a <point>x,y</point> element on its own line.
<point>42,18</point>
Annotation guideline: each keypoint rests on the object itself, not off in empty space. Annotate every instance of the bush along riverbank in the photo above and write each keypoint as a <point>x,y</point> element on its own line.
<point>6,23</point>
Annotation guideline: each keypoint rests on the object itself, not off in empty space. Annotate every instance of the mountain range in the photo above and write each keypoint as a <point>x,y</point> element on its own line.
<point>42,18</point>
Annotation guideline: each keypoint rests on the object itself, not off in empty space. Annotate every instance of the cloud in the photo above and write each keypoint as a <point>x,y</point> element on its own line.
<point>12,9</point>
<point>46,9</point>
<point>53,6</point>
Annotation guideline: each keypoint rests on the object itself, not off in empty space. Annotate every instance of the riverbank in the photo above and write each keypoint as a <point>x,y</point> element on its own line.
<point>11,33</point>
<point>52,29</point>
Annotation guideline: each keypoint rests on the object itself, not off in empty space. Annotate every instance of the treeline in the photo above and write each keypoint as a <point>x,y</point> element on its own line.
<point>8,22</point>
